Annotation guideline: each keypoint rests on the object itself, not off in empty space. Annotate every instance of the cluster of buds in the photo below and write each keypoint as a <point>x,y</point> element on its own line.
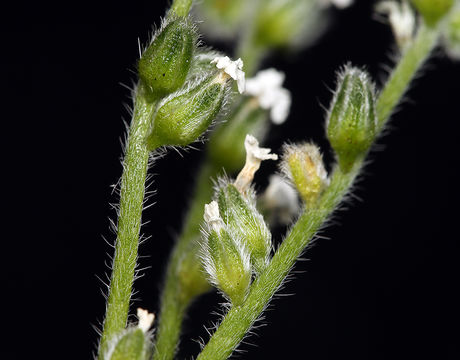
<point>190,94</point>
<point>134,342</point>
<point>237,242</point>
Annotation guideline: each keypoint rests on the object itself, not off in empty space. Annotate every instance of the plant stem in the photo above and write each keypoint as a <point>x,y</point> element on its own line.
<point>135,166</point>
<point>174,300</point>
<point>239,320</point>
<point>181,7</point>
<point>411,61</point>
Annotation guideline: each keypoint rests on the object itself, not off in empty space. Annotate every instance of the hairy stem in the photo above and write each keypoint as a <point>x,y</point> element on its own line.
<point>135,166</point>
<point>239,320</point>
<point>411,61</point>
<point>181,7</point>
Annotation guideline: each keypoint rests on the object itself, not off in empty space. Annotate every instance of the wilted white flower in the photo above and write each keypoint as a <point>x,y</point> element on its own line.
<point>402,20</point>
<point>232,69</point>
<point>212,216</point>
<point>254,156</point>
<point>266,86</point>
<point>145,319</point>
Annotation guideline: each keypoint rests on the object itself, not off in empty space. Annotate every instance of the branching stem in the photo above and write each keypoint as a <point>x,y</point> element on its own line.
<point>239,320</point>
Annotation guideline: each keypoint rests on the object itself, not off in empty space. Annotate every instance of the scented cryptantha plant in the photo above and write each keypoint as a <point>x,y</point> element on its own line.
<point>187,92</point>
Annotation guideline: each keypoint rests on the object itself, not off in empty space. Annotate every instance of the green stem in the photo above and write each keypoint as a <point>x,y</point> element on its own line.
<point>181,7</point>
<point>411,61</point>
<point>175,299</point>
<point>239,320</point>
<point>135,166</point>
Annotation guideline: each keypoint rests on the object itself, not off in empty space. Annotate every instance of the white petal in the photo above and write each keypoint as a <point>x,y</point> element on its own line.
<point>145,319</point>
<point>266,86</point>
<point>254,156</point>
<point>212,216</point>
<point>232,69</point>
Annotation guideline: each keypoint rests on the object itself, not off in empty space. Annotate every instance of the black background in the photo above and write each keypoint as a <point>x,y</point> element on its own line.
<point>382,286</point>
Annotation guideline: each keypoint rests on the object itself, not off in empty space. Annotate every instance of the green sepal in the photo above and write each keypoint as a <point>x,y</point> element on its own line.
<point>131,345</point>
<point>226,143</point>
<point>190,275</point>
<point>241,217</point>
<point>352,121</point>
<point>229,270</point>
<point>184,116</point>
<point>433,10</point>
<point>164,65</point>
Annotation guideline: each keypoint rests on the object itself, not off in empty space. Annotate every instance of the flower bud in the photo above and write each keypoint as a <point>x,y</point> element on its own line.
<point>184,116</point>
<point>432,10</point>
<point>225,148</point>
<point>225,258</point>
<point>352,120</point>
<point>223,17</point>
<point>452,34</point>
<point>240,215</point>
<point>281,23</point>
<point>134,342</point>
<point>303,165</point>
<point>164,65</point>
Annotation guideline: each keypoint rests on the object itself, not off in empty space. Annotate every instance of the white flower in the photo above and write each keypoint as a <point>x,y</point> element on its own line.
<point>341,4</point>
<point>145,319</point>
<point>232,69</point>
<point>212,216</point>
<point>402,19</point>
<point>266,86</point>
<point>254,156</point>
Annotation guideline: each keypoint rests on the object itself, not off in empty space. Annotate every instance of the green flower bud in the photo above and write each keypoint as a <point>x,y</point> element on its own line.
<point>303,165</point>
<point>240,215</point>
<point>225,258</point>
<point>352,120</point>
<point>184,116</point>
<point>223,17</point>
<point>281,23</point>
<point>452,34</point>
<point>224,147</point>
<point>433,10</point>
<point>164,65</point>
<point>134,342</point>
<point>190,275</point>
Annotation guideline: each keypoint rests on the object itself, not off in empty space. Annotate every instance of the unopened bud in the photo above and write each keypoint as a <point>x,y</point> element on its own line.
<point>225,258</point>
<point>241,217</point>
<point>352,120</point>
<point>184,116</point>
<point>282,23</point>
<point>433,10</point>
<point>303,165</point>
<point>225,148</point>
<point>133,342</point>
<point>164,65</point>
